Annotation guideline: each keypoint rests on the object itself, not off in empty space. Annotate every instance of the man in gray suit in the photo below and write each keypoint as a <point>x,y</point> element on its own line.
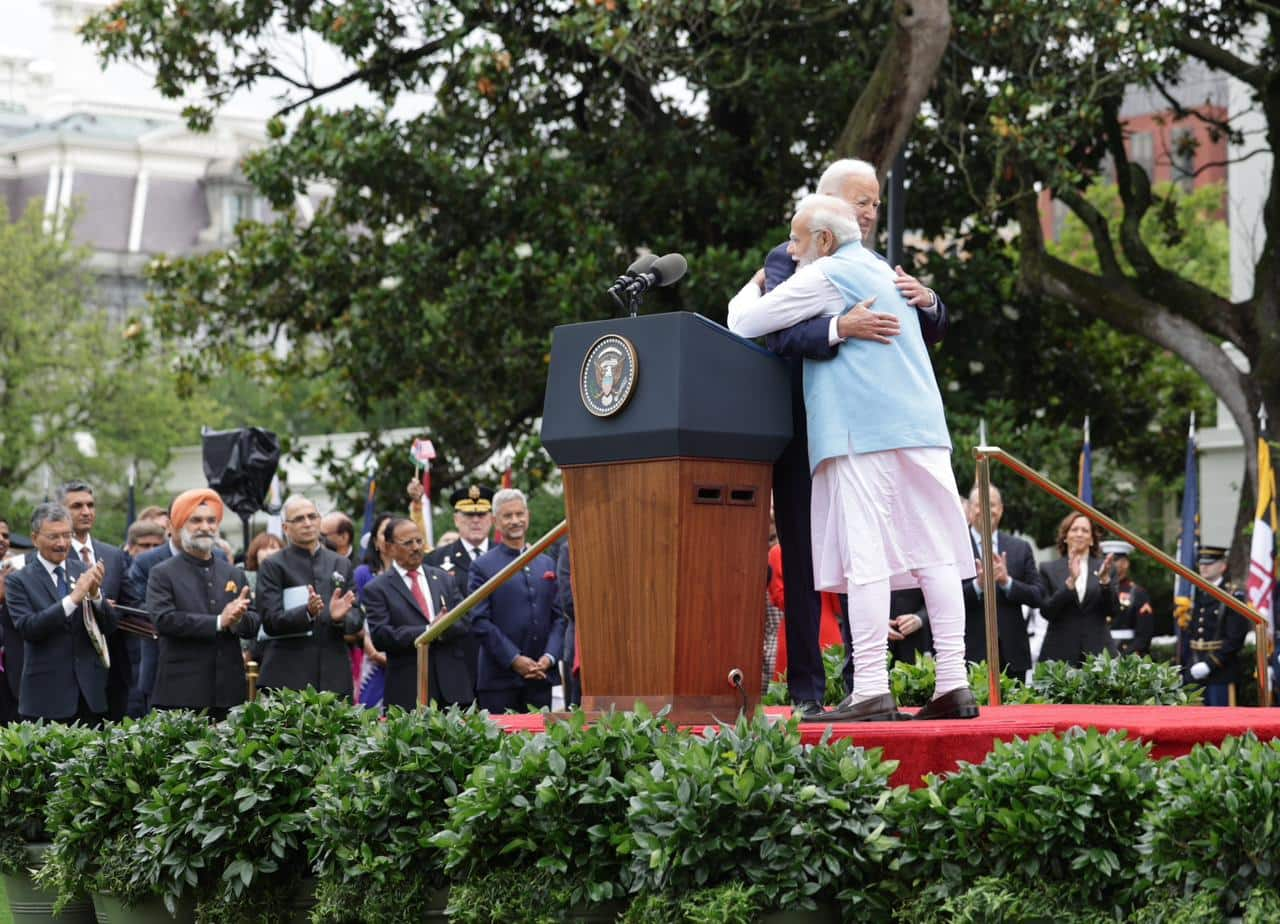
<point>63,677</point>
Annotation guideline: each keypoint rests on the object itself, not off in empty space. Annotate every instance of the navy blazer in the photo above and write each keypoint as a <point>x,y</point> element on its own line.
<point>199,666</point>
<point>395,622</point>
<point>59,663</point>
<point>1011,625</point>
<point>522,617</point>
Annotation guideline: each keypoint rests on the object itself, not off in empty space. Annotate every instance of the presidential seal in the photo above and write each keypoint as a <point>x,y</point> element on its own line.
<point>608,375</point>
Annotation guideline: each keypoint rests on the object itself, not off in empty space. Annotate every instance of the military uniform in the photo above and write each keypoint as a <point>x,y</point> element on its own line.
<point>1133,623</point>
<point>1214,636</point>
<point>455,558</point>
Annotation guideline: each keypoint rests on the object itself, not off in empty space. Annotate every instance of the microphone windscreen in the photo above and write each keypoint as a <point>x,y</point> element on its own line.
<point>642,264</point>
<point>669,268</point>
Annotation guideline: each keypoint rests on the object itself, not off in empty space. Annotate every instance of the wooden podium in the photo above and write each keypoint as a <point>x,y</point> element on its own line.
<point>666,428</point>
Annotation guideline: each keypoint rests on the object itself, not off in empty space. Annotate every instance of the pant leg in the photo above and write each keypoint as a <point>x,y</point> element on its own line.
<point>806,679</point>
<point>944,598</point>
<point>869,630</point>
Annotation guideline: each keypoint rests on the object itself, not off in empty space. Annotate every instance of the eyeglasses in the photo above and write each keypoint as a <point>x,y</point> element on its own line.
<point>55,537</point>
<point>409,543</point>
<point>304,518</point>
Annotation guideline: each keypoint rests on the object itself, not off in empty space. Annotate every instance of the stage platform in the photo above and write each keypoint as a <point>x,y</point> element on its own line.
<point>938,746</point>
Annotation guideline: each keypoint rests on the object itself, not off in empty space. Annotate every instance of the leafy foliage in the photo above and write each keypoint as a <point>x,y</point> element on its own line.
<point>1057,810</point>
<point>228,820</point>
<point>795,822</point>
<point>557,803</point>
<point>93,809</point>
<point>1212,823</point>
<point>1008,899</point>
<point>1116,680</point>
<point>377,806</point>
<point>31,754</point>
<point>118,408</point>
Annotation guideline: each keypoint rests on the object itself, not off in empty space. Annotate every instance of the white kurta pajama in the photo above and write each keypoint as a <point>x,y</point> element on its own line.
<point>885,514</point>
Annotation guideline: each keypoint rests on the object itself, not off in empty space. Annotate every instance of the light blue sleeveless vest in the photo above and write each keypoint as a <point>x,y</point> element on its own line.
<point>874,396</point>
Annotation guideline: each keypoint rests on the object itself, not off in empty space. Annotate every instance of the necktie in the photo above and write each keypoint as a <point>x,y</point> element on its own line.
<point>60,579</point>
<point>86,556</point>
<point>419,595</point>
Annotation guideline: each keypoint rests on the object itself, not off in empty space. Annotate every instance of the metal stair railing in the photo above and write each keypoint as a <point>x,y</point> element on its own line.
<point>481,593</point>
<point>984,455</point>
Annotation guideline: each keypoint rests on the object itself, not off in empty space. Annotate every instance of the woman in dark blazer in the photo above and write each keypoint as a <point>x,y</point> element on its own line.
<point>1079,596</point>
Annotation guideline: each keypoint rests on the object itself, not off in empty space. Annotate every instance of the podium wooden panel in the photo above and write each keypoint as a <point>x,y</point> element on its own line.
<point>667,500</point>
<point>685,539</point>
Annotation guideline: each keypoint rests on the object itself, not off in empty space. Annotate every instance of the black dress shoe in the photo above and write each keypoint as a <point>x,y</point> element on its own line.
<point>954,704</point>
<point>807,709</point>
<point>880,708</point>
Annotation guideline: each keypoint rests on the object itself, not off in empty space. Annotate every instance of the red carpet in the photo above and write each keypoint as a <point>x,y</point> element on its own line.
<point>936,747</point>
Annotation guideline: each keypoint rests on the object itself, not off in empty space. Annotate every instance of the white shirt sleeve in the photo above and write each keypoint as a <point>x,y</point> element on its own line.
<point>805,295</point>
<point>833,331</point>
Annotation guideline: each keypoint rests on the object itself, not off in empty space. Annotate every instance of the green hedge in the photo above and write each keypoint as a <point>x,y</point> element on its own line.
<point>665,825</point>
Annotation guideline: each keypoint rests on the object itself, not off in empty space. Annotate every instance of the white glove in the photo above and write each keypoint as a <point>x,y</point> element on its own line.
<point>1199,670</point>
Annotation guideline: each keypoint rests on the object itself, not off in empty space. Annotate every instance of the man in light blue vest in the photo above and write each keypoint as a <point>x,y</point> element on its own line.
<point>885,510</point>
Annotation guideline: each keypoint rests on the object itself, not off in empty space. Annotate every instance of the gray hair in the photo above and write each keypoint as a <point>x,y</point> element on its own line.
<point>829,213</point>
<point>832,181</point>
<point>506,496</point>
<point>72,487</point>
<point>48,512</point>
<point>292,501</point>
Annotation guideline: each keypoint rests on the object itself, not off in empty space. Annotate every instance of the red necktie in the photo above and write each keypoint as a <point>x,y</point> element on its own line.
<point>415,582</point>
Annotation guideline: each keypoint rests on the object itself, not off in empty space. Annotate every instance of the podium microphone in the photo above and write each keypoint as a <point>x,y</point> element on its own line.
<point>663,272</point>
<point>641,264</point>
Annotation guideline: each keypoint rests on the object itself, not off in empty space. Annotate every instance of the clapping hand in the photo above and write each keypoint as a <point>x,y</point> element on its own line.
<point>340,604</point>
<point>234,611</point>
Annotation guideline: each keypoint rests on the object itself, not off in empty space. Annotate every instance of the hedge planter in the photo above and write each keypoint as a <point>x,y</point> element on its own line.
<point>151,910</point>
<point>31,905</point>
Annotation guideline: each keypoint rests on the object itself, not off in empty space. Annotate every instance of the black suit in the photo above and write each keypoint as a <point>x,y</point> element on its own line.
<point>200,665</point>
<point>396,620</point>
<point>122,677</point>
<point>60,667</point>
<point>321,659</point>
<point>1076,628</point>
<point>11,642</point>
<point>1011,627</point>
<point>455,560</point>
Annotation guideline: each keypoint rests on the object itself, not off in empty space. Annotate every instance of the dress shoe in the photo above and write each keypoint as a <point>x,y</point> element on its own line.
<point>807,709</point>
<point>954,704</point>
<point>880,708</point>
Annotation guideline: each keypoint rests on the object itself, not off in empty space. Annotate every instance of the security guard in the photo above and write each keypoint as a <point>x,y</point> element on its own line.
<point>1133,624</point>
<point>1215,634</point>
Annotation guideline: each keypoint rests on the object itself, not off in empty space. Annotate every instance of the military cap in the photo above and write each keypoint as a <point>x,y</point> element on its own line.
<point>1116,547</point>
<point>472,499</point>
<point>1212,553</point>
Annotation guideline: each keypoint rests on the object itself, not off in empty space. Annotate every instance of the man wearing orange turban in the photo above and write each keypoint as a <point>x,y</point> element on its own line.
<point>188,501</point>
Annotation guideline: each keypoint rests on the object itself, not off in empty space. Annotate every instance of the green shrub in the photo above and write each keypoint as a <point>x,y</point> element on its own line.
<point>832,667</point>
<point>1009,900</point>
<point>1058,810</point>
<point>228,819</point>
<point>93,808</point>
<point>30,756</point>
<point>750,803</point>
<point>1212,825</point>
<point>377,806</point>
<point>557,803</point>
<point>728,903</point>
<point>526,894</point>
<point>1170,906</point>
<point>912,684</point>
<point>1013,691</point>
<point>1103,679</point>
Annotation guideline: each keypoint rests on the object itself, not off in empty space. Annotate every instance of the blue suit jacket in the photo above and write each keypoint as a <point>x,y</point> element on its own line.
<point>395,621</point>
<point>522,617</point>
<point>59,663</point>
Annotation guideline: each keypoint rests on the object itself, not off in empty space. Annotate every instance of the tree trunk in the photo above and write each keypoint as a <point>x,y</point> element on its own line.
<point>882,118</point>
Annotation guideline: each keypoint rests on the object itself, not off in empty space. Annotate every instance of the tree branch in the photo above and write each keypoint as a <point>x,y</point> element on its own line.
<point>1096,222</point>
<point>1221,59</point>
